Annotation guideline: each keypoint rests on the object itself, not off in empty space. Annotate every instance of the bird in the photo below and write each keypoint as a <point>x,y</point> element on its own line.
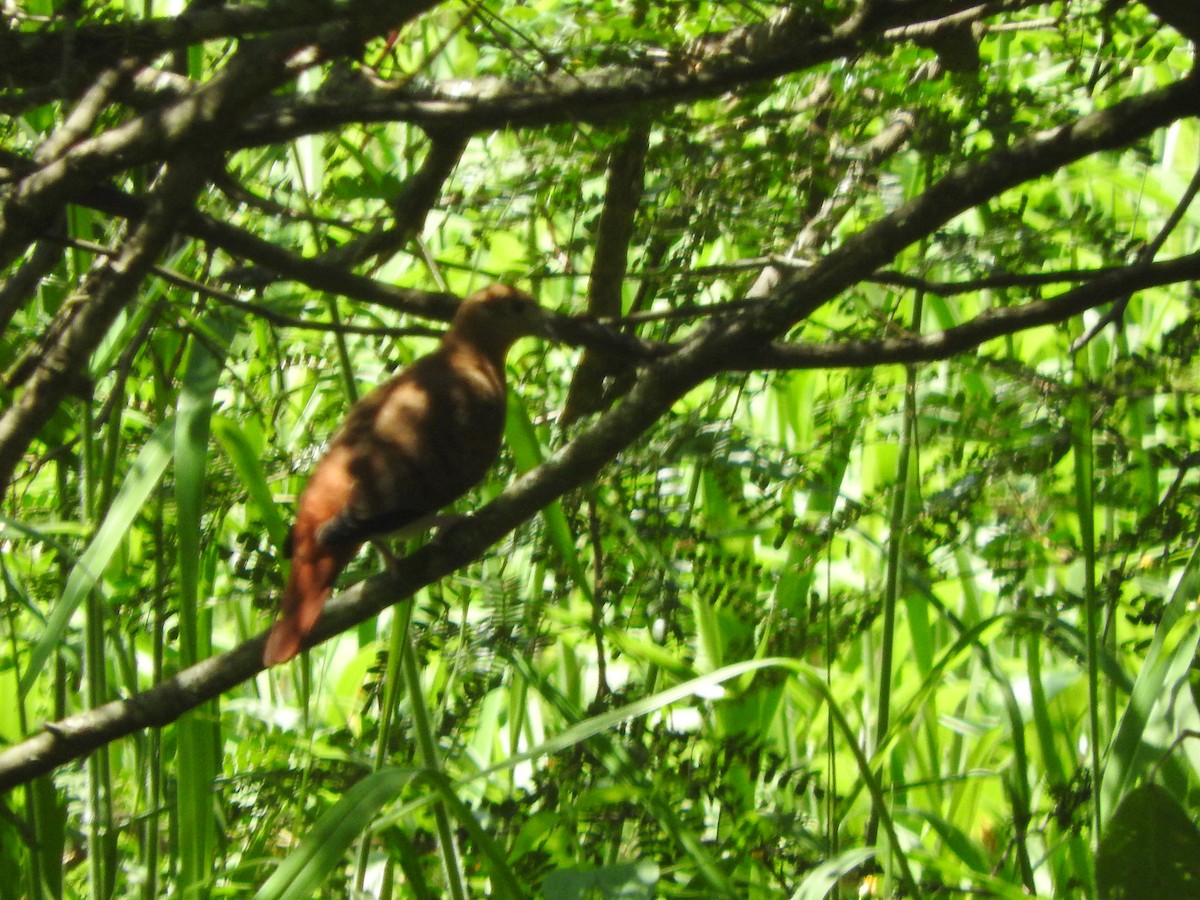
<point>406,450</point>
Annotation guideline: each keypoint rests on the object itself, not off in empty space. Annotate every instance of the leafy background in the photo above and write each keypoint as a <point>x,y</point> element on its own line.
<point>871,618</point>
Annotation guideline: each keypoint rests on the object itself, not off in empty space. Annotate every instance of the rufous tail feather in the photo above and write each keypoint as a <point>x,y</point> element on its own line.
<point>309,586</point>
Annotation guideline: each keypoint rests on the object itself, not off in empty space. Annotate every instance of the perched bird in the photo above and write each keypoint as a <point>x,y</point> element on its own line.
<point>406,450</point>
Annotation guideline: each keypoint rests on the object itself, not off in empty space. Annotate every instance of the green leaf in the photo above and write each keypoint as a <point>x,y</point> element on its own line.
<point>308,866</point>
<point>631,879</point>
<point>527,452</point>
<point>248,462</point>
<point>1151,848</point>
<point>1166,666</point>
<point>820,881</point>
<point>142,478</point>
<point>199,737</point>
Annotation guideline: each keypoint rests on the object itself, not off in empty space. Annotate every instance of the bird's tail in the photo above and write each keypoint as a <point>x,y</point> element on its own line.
<point>314,569</point>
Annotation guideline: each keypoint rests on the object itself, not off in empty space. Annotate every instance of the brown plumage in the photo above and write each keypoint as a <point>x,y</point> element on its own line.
<point>407,449</point>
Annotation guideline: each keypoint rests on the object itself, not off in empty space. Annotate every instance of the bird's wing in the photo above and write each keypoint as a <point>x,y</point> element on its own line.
<point>416,443</point>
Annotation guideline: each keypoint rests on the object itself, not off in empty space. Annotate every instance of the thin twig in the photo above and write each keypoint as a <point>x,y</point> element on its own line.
<point>1145,257</point>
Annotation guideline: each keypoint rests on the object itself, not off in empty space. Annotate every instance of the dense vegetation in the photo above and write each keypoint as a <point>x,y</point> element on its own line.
<point>853,548</point>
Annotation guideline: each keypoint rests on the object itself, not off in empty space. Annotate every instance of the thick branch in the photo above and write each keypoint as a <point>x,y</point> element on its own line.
<point>32,58</point>
<point>622,196</point>
<point>1182,14</point>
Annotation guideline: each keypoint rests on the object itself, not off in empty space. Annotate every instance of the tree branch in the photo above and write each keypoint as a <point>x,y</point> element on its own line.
<point>610,262</point>
<point>699,70</point>
<point>963,188</point>
<point>85,318</point>
<point>33,58</point>
<point>196,119</point>
<point>987,326</point>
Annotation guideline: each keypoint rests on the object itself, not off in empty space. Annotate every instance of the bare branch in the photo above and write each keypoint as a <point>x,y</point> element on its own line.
<point>963,188</point>
<point>622,195</point>
<point>702,69</point>
<point>32,58</point>
<point>984,327</point>
<point>85,318</point>
<point>194,120</point>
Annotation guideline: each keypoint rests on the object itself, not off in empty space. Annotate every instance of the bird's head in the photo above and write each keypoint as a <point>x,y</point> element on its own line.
<point>493,318</point>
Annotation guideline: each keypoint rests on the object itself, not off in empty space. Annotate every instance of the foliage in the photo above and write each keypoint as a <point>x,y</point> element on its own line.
<point>856,553</point>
